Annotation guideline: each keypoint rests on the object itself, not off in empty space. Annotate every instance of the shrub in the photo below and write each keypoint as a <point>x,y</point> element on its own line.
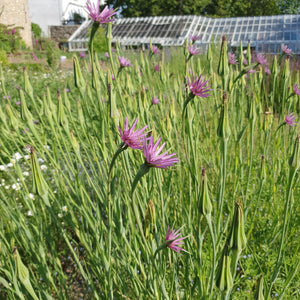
<point>36,29</point>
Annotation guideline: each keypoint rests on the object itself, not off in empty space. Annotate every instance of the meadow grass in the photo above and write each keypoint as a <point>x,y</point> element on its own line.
<point>73,226</point>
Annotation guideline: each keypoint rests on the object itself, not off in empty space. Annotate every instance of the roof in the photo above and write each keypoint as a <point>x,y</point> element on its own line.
<point>266,33</point>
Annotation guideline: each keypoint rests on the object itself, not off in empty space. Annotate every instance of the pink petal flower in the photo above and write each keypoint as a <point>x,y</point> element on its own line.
<point>173,239</point>
<point>101,17</point>
<point>155,100</point>
<point>290,119</point>
<point>198,87</point>
<point>153,159</point>
<point>232,58</point>
<point>195,38</point>
<point>286,50</point>
<point>296,90</point>
<point>130,137</point>
<point>124,62</point>
<point>155,50</point>
<point>193,50</point>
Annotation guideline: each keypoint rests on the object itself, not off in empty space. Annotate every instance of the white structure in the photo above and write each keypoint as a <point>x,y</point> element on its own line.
<point>56,12</point>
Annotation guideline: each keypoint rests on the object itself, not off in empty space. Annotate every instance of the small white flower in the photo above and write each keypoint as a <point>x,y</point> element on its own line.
<point>40,160</point>
<point>47,147</point>
<point>13,161</point>
<point>10,165</point>
<point>16,186</point>
<point>17,156</point>
<point>31,196</point>
<point>43,167</point>
<point>60,215</point>
<point>64,208</point>
<point>27,156</point>
<point>2,168</point>
<point>25,173</point>
<point>29,213</point>
<point>7,187</point>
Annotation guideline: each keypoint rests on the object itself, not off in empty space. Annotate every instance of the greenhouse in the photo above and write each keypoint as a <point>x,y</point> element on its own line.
<point>266,33</point>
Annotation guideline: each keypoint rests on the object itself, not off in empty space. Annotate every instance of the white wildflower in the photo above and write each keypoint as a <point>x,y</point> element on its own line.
<point>10,165</point>
<point>31,196</point>
<point>2,168</point>
<point>17,156</point>
<point>25,173</point>
<point>29,213</point>
<point>64,208</point>
<point>43,167</point>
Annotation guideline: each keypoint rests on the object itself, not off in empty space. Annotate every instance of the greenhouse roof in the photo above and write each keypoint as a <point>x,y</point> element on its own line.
<point>266,33</point>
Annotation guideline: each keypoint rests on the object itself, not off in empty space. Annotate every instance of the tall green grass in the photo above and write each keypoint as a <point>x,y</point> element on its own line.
<point>234,193</point>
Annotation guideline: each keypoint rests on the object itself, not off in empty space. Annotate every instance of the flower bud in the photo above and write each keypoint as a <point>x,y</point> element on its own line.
<point>149,219</point>
<point>223,130</point>
<point>205,203</point>
<point>294,160</point>
<point>224,279</point>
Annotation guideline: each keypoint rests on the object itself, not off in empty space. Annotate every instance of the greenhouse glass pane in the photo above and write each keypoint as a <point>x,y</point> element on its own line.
<point>293,36</point>
<point>262,27</point>
<point>250,28</point>
<point>242,37</point>
<point>279,35</point>
<point>255,28</point>
<point>287,36</point>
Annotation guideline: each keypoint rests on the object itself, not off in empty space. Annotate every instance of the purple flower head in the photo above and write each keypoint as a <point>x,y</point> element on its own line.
<point>261,59</point>
<point>193,50</point>
<point>296,90</point>
<point>8,97</point>
<point>198,87</point>
<point>113,50</point>
<point>130,137</point>
<point>156,68</point>
<point>101,17</point>
<point>245,63</point>
<point>290,119</point>
<point>13,31</point>
<point>173,239</point>
<point>231,58</point>
<point>18,103</point>
<point>113,77</point>
<point>155,100</point>
<point>34,56</point>
<point>152,157</point>
<point>8,33</point>
<point>124,62</point>
<point>251,71</point>
<point>155,50</point>
<point>267,71</point>
<point>67,90</point>
<point>106,54</point>
<point>36,41</point>
<point>195,38</point>
<point>82,54</point>
<point>286,50</point>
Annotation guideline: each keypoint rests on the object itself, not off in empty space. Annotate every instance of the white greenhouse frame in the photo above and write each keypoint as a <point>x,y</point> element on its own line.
<point>265,33</point>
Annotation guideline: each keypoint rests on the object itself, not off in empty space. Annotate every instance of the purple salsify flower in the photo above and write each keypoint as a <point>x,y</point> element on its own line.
<point>198,87</point>
<point>130,137</point>
<point>18,103</point>
<point>296,90</point>
<point>193,50</point>
<point>67,90</point>
<point>113,77</point>
<point>290,119</point>
<point>155,100</point>
<point>251,71</point>
<point>231,58</point>
<point>152,157</point>
<point>261,59</point>
<point>124,62</point>
<point>113,50</point>
<point>101,17</point>
<point>245,63</point>
<point>82,54</point>
<point>267,71</point>
<point>106,54</point>
<point>34,56</point>
<point>195,38</point>
<point>8,97</point>
<point>173,240</point>
<point>155,50</point>
<point>156,68</point>
<point>286,50</point>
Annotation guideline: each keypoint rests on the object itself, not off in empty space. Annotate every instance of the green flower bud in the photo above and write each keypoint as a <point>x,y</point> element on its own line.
<point>224,280</point>
<point>205,203</point>
<point>294,161</point>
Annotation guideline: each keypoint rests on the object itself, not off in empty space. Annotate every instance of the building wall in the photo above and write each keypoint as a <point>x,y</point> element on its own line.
<point>16,13</point>
<point>47,13</point>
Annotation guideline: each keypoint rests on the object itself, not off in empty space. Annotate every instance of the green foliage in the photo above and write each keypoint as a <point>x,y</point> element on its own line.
<point>36,29</point>
<point>3,57</point>
<point>10,39</point>
<point>100,44</point>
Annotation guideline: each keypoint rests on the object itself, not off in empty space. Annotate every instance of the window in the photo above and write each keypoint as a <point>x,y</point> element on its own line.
<point>287,36</point>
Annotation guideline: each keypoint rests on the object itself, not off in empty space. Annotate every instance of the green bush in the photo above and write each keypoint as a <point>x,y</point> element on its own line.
<point>10,38</point>
<point>36,29</point>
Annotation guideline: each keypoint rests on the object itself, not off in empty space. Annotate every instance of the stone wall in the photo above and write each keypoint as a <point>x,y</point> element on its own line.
<point>61,34</point>
<point>16,13</point>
